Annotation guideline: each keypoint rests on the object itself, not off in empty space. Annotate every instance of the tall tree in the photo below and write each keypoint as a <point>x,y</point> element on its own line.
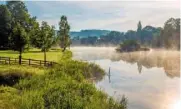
<point>5,26</point>
<point>171,34</point>
<point>20,15</point>
<point>139,31</point>
<point>19,39</point>
<point>63,33</point>
<point>45,38</point>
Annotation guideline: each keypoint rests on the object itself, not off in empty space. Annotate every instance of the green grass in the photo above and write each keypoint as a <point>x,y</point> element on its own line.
<point>21,70</point>
<point>8,97</point>
<point>52,55</point>
<point>64,86</point>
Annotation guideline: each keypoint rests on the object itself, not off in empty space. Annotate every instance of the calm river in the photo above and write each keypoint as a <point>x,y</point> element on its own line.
<point>150,80</point>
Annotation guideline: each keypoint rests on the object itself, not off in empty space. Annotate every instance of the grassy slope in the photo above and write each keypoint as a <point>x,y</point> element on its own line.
<point>62,87</point>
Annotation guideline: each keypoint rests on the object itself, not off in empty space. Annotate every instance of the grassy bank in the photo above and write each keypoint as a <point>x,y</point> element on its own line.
<point>65,86</point>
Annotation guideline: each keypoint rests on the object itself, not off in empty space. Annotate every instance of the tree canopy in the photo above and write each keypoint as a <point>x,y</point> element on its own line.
<point>5,26</point>
<point>45,36</point>
<point>63,33</point>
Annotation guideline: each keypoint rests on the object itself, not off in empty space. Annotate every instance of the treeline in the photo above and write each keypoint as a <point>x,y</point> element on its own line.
<point>88,32</point>
<point>168,36</point>
<point>19,30</point>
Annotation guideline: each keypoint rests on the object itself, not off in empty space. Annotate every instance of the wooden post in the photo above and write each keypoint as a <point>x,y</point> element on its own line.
<point>109,75</point>
<point>20,59</point>
<point>20,56</point>
<point>44,58</point>
<point>29,61</point>
<point>45,62</point>
<point>9,60</point>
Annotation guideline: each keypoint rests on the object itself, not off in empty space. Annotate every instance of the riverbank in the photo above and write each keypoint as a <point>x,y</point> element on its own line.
<point>64,86</point>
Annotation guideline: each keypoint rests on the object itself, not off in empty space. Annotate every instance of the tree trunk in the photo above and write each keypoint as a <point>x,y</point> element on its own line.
<point>20,55</point>
<point>44,57</point>
<point>64,48</point>
<point>64,43</point>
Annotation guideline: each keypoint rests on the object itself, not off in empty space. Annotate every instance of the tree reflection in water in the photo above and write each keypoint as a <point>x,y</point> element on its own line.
<point>169,60</point>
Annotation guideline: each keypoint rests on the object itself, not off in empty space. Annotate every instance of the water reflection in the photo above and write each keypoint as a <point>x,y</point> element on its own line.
<point>168,60</point>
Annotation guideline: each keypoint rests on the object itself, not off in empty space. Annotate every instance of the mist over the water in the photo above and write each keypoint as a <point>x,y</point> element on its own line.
<point>168,59</point>
<point>92,53</point>
<point>150,79</point>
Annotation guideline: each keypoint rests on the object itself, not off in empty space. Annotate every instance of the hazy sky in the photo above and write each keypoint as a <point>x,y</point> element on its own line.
<point>112,15</point>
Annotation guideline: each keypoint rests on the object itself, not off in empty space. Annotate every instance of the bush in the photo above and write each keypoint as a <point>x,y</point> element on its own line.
<point>8,98</point>
<point>130,45</point>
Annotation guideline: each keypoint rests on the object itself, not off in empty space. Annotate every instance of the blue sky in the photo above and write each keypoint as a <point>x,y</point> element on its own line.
<point>110,15</point>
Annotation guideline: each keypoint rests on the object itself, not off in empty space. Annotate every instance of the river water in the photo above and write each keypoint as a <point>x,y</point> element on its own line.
<point>150,80</point>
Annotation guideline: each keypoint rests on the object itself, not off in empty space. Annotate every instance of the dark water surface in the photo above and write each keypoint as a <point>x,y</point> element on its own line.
<point>150,80</point>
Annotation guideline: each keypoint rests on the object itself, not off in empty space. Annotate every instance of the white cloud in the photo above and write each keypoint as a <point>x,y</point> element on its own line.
<point>122,15</point>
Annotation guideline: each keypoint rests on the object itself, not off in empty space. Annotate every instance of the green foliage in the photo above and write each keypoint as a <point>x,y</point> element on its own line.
<point>22,18</point>
<point>63,33</point>
<point>5,26</point>
<point>19,38</point>
<point>129,43</point>
<point>34,32</point>
<point>168,36</point>
<point>15,18</point>
<point>45,38</point>
<point>19,13</point>
<point>171,33</point>
<point>59,89</point>
<point>76,68</point>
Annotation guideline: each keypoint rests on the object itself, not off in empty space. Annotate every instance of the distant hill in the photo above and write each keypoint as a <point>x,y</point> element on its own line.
<point>91,32</point>
<point>86,33</point>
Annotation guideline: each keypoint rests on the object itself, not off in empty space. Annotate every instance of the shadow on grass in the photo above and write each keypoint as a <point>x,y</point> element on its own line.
<point>11,79</point>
